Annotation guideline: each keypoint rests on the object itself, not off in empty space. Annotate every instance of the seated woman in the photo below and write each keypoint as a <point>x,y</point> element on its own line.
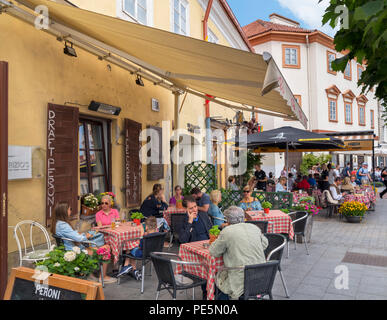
<point>353,180</point>
<point>214,211</point>
<point>107,214</point>
<point>178,198</point>
<point>62,228</point>
<point>335,190</point>
<point>347,185</point>
<point>303,184</point>
<point>231,183</point>
<point>248,202</point>
<point>154,205</point>
<point>281,185</point>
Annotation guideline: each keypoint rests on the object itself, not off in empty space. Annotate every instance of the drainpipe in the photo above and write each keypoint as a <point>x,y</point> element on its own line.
<point>308,77</point>
<point>207,103</point>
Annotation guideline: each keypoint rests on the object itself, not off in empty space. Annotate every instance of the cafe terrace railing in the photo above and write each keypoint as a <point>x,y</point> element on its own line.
<point>279,200</point>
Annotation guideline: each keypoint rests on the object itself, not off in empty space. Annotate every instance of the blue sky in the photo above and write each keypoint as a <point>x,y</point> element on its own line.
<point>307,12</point>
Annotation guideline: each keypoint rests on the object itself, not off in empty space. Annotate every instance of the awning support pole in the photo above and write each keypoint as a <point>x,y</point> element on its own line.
<point>286,166</point>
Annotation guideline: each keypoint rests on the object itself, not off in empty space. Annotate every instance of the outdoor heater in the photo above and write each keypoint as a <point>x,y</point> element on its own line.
<point>104,108</point>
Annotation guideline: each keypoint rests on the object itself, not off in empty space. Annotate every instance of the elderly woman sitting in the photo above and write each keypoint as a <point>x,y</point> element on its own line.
<point>240,244</point>
<point>249,202</point>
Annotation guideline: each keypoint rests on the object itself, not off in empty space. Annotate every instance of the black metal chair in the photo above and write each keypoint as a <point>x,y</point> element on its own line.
<point>153,242</point>
<point>168,280</point>
<point>176,220</point>
<point>59,242</point>
<point>299,225</point>
<point>274,251</point>
<point>260,224</point>
<point>215,219</point>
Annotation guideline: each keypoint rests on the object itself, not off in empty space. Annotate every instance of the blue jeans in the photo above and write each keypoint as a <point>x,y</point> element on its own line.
<point>136,252</point>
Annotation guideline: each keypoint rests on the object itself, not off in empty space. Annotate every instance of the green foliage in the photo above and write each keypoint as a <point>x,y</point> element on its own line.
<point>214,230</point>
<point>365,39</point>
<point>266,205</point>
<point>137,215</point>
<point>310,200</point>
<point>252,159</point>
<point>58,262</point>
<point>285,211</point>
<point>309,160</point>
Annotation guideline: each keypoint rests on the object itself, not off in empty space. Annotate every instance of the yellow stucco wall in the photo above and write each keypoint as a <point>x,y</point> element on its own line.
<point>39,73</point>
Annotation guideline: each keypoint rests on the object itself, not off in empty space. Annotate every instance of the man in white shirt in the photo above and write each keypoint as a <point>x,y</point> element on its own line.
<point>335,190</point>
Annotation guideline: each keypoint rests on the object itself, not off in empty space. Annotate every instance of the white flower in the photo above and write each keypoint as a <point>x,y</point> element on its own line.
<point>57,264</point>
<point>76,269</point>
<point>69,256</point>
<point>52,247</point>
<point>85,251</point>
<point>77,250</point>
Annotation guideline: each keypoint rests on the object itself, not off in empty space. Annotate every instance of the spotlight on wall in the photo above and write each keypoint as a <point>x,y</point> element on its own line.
<point>104,108</point>
<point>70,51</point>
<point>139,81</point>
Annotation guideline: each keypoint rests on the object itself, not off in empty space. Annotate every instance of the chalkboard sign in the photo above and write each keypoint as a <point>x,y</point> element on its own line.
<point>22,286</point>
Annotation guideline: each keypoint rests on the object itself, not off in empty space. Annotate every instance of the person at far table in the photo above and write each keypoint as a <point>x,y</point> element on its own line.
<point>231,183</point>
<point>378,174</point>
<point>363,174</point>
<point>290,181</point>
<point>248,202</point>
<point>202,199</point>
<point>239,244</point>
<point>324,183</point>
<point>353,180</point>
<point>106,215</point>
<point>303,184</point>
<point>177,197</point>
<point>281,185</point>
<point>347,185</point>
<point>154,205</point>
<point>260,177</point>
<point>196,225</point>
<point>312,181</point>
<point>347,170</point>
<point>214,211</point>
<point>335,190</point>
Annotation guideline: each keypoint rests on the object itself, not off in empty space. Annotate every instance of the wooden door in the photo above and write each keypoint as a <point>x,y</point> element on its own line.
<point>62,158</point>
<point>3,176</point>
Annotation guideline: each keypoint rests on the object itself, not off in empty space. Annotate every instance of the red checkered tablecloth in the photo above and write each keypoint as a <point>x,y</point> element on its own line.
<point>280,222</point>
<point>195,252</point>
<point>172,210</point>
<point>115,238</point>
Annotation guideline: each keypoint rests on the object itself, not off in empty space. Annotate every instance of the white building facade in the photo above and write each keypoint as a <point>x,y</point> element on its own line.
<point>331,100</point>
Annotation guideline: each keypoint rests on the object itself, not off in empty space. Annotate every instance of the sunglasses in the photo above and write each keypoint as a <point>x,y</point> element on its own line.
<point>246,191</point>
<point>104,202</point>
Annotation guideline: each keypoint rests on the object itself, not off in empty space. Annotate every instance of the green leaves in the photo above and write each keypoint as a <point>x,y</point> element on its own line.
<point>368,10</point>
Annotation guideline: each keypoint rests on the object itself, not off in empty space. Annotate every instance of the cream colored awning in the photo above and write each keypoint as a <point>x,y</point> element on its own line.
<point>188,63</point>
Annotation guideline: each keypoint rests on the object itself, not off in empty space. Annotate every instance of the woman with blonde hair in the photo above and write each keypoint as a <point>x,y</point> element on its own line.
<point>249,202</point>
<point>214,211</point>
<point>107,214</point>
<point>347,185</point>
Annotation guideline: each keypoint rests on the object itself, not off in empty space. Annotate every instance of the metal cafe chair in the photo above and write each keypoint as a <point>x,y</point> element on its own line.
<point>32,255</point>
<point>299,225</point>
<point>168,280</point>
<point>274,251</point>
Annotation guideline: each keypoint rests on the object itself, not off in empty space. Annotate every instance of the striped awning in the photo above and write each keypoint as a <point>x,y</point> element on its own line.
<point>355,140</point>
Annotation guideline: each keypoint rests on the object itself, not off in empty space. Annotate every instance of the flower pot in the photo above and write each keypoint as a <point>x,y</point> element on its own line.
<point>353,219</point>
<point>266,210</point>
<point>179,205</point>
<point>213,238</point>
<point>137,221</point>
<point>86,211</point>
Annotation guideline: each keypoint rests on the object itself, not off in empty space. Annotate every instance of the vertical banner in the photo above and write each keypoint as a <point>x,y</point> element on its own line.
<point>62,158</point>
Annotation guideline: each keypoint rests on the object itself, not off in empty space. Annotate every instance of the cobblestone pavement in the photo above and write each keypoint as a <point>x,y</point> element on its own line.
<point>310,277</point>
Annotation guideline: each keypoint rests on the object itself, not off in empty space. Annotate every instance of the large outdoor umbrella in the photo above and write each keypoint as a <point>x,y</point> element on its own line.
<point>287,139</point>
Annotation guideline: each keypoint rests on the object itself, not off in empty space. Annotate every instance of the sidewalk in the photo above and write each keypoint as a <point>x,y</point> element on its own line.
<point>310,277</point>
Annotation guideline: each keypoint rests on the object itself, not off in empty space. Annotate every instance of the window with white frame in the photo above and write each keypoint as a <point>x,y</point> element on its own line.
<point>212,37</point>
<point>291,56</point>
<point>137,9</point>
<point>330,57</point>
<point>180,16</point>
<point>348,113</point>
<point>362,115</point>
<point>332,110</point>
<point>372,119</point>
<point>348,71</point>
<point>385,133</point>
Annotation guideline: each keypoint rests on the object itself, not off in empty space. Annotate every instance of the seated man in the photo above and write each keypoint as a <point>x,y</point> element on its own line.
<point>335,190</point>
<point>196,226</point>
<point>240,244</point>
<point>303,184</point>
<point>312,181</point>
<point>202,200</point>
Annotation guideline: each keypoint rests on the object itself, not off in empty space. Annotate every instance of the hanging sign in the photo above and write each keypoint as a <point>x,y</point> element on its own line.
<point>19,162</point>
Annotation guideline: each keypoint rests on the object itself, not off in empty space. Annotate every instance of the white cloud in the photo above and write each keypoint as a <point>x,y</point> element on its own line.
<point>310,12</point>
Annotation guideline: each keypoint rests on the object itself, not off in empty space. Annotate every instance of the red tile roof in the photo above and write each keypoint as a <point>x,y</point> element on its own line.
<point>260,26</point>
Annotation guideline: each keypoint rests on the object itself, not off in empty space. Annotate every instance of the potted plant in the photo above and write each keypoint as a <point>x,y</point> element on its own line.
<point>353,211</point>
<point>179,204</point>
<point>75,263</point>
<point>136,217</point>
<point>214,233</point>
<point>90,204</point>
<point>266,205</point>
